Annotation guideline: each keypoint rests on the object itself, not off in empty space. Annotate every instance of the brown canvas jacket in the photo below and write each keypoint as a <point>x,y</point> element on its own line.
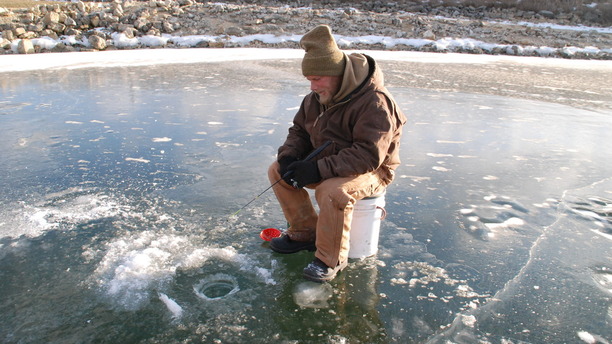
<point>364,123</point>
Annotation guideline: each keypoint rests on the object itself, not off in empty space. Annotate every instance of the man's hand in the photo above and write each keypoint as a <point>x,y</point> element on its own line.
<point>284,162</point>
<point>303,173</point>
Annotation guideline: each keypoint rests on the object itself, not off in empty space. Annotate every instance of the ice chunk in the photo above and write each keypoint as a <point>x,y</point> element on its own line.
<point>173,307</point>
<point>312,295</point>
<point>587,337</point>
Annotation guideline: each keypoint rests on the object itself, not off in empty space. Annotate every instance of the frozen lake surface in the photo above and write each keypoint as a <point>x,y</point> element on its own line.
<point>118,184</point>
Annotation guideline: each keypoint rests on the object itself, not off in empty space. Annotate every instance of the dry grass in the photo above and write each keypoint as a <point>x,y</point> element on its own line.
<point>21,3</point>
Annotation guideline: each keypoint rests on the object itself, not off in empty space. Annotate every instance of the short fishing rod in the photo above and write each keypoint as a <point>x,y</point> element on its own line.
<point>287,174</point>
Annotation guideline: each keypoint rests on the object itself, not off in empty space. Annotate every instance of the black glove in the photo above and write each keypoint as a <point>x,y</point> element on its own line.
<point>304,173</point>
<point>284,162</point>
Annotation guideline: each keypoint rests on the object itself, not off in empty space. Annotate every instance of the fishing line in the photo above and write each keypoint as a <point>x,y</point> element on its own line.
<point>288,173</point>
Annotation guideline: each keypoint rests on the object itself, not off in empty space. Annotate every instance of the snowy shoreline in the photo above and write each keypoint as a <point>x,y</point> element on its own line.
<point>443,45</point>
<point>136,58</point>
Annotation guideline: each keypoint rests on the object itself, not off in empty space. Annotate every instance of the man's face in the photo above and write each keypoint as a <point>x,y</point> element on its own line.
<point>325,86</point>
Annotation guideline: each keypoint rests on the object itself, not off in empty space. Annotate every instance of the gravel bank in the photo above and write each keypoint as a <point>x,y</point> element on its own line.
<point>98,26</point>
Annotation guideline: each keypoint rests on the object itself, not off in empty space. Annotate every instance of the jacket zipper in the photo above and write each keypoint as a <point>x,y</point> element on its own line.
<point>325,110</point>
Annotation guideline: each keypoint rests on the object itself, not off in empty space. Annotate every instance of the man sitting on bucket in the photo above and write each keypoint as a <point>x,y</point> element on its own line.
<point>350,106</point>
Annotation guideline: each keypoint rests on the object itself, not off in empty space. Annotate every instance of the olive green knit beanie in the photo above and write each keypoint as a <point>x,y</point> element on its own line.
<point>322,57</point>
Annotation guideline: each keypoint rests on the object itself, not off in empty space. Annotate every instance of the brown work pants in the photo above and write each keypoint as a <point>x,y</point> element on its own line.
<point>330,229</point>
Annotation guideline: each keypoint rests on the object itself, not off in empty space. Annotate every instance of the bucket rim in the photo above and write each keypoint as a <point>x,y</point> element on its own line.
<point>378,195</point>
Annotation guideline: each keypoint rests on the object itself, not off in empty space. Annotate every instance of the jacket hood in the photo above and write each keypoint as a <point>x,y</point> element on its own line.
<point>357,70</point>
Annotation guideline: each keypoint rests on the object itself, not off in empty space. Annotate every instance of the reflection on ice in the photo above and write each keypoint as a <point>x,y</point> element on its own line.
<point>603,278</point>
<point>312,295</point>
<point>487,220</point>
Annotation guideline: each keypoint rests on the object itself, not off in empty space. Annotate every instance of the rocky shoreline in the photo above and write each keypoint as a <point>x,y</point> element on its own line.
<point>509,31</point>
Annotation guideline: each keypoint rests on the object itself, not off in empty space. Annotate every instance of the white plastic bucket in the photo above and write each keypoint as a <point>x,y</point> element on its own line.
<point>365,226</point>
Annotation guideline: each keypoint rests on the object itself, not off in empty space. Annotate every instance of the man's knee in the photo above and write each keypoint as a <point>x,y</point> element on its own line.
<point>331,190</point>
<point>273,171</point>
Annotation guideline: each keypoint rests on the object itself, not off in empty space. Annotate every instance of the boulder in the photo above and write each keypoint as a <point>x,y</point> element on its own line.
<point>25,46</point>
<point>49,33</point>
<point>36,27</point>
<point>8,35</point>
<point>97,42</point>
<point>5,43</point>
<point>29,35</point>
<point>95,21</point>
<point>547,14</point>
<point>72,32</point>
<point>429,35</point>
<point>81,7</point>
<point>62,48</point>
<point>167,27</point>
<point>70,22</point>
<point>51,18</point>
<point>28,18</point>
<point>57,27</point>
<point>19,32</point>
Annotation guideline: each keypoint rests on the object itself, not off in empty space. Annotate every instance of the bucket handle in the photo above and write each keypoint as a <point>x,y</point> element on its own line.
<point>384,212</point>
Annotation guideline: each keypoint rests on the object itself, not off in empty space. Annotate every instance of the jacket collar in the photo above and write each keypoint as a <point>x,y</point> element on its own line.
<point>358,71</point>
